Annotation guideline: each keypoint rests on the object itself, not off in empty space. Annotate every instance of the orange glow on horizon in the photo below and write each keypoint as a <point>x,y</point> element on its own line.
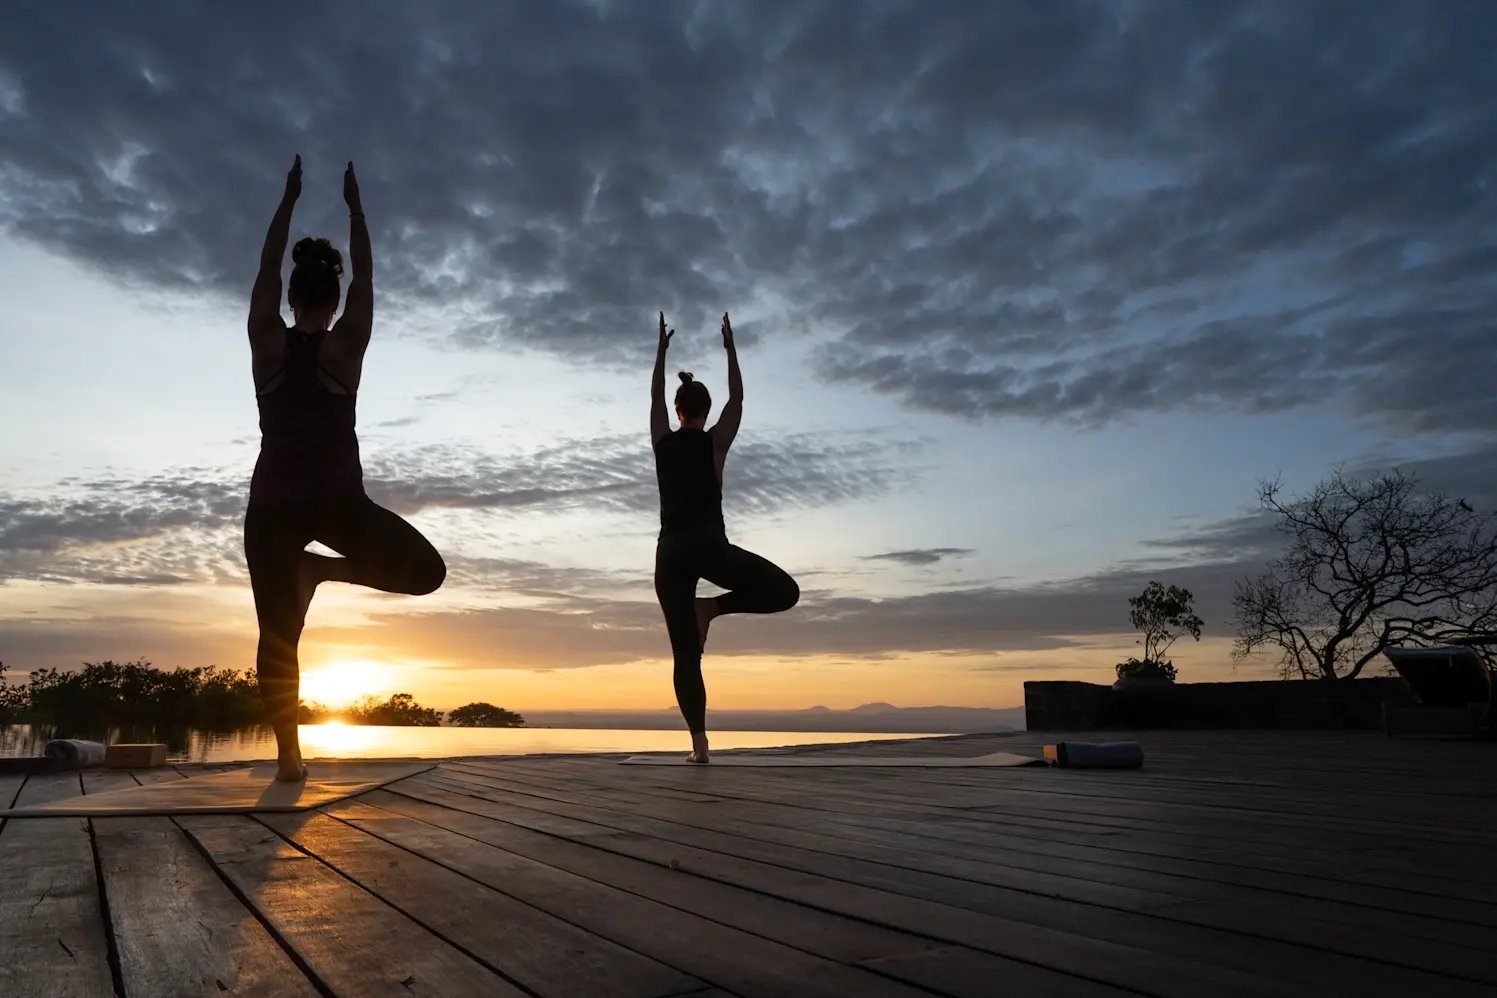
<point>341,682</point>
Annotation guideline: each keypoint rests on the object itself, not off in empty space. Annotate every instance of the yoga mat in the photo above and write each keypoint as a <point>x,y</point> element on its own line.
<point>927,762</point>
<point>234,792</point>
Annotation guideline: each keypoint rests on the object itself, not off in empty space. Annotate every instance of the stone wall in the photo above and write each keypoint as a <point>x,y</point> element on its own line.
<point>1304,703</point>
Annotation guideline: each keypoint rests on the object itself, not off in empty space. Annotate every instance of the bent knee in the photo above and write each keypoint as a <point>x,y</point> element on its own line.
<point>430,576</point>
<point>790,594</point>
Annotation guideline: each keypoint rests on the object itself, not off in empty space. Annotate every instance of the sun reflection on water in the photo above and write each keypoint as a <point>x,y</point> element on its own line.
<point>334,738</point>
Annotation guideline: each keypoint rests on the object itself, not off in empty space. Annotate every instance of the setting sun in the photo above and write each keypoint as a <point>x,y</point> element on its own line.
<point>340,683</point>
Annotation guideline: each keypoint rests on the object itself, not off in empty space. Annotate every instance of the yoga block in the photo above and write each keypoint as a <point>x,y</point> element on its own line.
<point>1095,755</point>
<point>144,755</point>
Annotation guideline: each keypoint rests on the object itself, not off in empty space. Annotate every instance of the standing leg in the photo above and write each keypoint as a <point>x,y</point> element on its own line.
<point>380,550</point>
<point>754,584</point>
<point>675,588</point>
<point>273,541</point>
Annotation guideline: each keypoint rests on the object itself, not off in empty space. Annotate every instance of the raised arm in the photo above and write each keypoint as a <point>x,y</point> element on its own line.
<point>357,321</point>
<point>660,420</point>
<point>727,424</point>
<point>265,298</point>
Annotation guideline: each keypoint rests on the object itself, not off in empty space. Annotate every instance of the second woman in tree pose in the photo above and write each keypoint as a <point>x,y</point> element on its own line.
<point>693,541</point>
<point>308,483</point>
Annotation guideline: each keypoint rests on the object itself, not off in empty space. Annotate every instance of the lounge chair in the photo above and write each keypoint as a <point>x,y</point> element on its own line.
<point>1454,688</point>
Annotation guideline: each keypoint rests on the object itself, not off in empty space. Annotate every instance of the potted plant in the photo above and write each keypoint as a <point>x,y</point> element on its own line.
<point>1163,614</point>
<point>1144,672</point>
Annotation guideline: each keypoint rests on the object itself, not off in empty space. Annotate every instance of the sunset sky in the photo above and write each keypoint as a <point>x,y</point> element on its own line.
<point>1029,298</point>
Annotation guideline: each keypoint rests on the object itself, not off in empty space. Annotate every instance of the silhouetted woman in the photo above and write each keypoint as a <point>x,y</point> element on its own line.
<point>693,541</point>
<point>308,483</point>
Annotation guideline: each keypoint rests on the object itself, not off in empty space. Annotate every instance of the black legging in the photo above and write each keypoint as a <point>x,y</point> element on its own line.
<point>382,551</point>
<point>755,584</point>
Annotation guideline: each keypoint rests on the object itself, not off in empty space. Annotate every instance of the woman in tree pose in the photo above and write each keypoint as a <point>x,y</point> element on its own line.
<point>693,540</point>
<point>308,483</point>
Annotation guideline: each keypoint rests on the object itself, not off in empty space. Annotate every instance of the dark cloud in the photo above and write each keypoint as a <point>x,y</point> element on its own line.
<point>185,525</point>
<point>617,474</point>
<point>578,627</point>
<point>1047,211</point>
<point>919,556</point>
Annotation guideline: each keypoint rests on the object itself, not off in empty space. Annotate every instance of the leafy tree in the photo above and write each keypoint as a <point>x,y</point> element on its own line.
<point>484,715</point>
<point>106,694</point>
<point>8,698</point>
<point>400,709</point>
<point>1163,614</point>
<point>313,713</point>
<point>1370,564</point>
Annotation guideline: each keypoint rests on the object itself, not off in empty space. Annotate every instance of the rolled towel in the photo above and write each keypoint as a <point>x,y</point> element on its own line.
<point>75,751</point>
<point>1096,755</point>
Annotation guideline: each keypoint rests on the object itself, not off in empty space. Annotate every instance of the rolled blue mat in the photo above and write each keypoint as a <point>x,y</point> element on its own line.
<point>1096,755</point>
<point>75,751</point>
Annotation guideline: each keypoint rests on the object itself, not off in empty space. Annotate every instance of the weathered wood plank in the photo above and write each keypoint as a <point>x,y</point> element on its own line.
<point>179,929</point>
<point>40,788</point>
<point>1352,929</point>
<point>1454,900</point>
<point>52,934</point>
<point>789,874</point>
<point>1076,888</point>
<point>535,949</point>
<point>99,781</point>
<point>1164,936</point>
<point>350,940</point>
<point>728,958</point>
<point>10,785</point>
<point>823,934</point>
<point>1250,842</point>
<point>1099,863</point>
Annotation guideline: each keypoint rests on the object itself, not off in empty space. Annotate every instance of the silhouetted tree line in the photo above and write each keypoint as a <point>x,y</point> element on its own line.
<point>129,693</point>
<point>110,694</point>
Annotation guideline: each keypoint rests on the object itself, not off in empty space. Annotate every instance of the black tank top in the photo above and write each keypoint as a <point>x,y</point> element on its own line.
<point>690,495</point>
<point>308,446</point>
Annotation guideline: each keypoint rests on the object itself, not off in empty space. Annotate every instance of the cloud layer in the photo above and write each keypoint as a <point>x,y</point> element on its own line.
<point>1055,211</point>
<point>185,525</point>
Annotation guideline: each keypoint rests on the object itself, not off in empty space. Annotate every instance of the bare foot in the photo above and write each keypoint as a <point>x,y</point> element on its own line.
<point>706,610</point>
<point>698,749</point>
<point>291,771</point>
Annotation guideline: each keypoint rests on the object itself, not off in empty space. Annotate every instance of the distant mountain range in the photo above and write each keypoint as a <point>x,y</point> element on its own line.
<point>872,718</point>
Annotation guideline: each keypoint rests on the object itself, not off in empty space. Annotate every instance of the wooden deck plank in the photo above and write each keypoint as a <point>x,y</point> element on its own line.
<point>179,929</point>
<point>1451,899</point>
<point>351,942</point>
<point>1094,861</point>
<point>1348,928</point>
<point>834,937</point>
<point>1233,863</point>
<point>1153,970</point>
<point>52,936</point>
<point>533,948</point>
<point>1161,935</point>
<point>725,817</point>
<point>40,788</point>
<point>737,961</point>
<point>1361,852</point>
<point>99,781</point>
<point>10,785</point>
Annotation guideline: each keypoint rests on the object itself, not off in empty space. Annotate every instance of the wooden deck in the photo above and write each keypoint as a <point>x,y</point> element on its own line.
<point>1248,863</point>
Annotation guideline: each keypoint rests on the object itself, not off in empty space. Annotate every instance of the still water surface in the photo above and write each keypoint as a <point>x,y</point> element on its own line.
<point>367,741</point>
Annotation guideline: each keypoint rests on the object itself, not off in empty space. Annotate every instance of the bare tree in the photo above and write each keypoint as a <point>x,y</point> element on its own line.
<point>1371,564</point>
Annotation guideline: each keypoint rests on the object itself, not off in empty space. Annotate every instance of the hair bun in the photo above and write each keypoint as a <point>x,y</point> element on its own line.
<point>686,377</point>
<point>312,252</point>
